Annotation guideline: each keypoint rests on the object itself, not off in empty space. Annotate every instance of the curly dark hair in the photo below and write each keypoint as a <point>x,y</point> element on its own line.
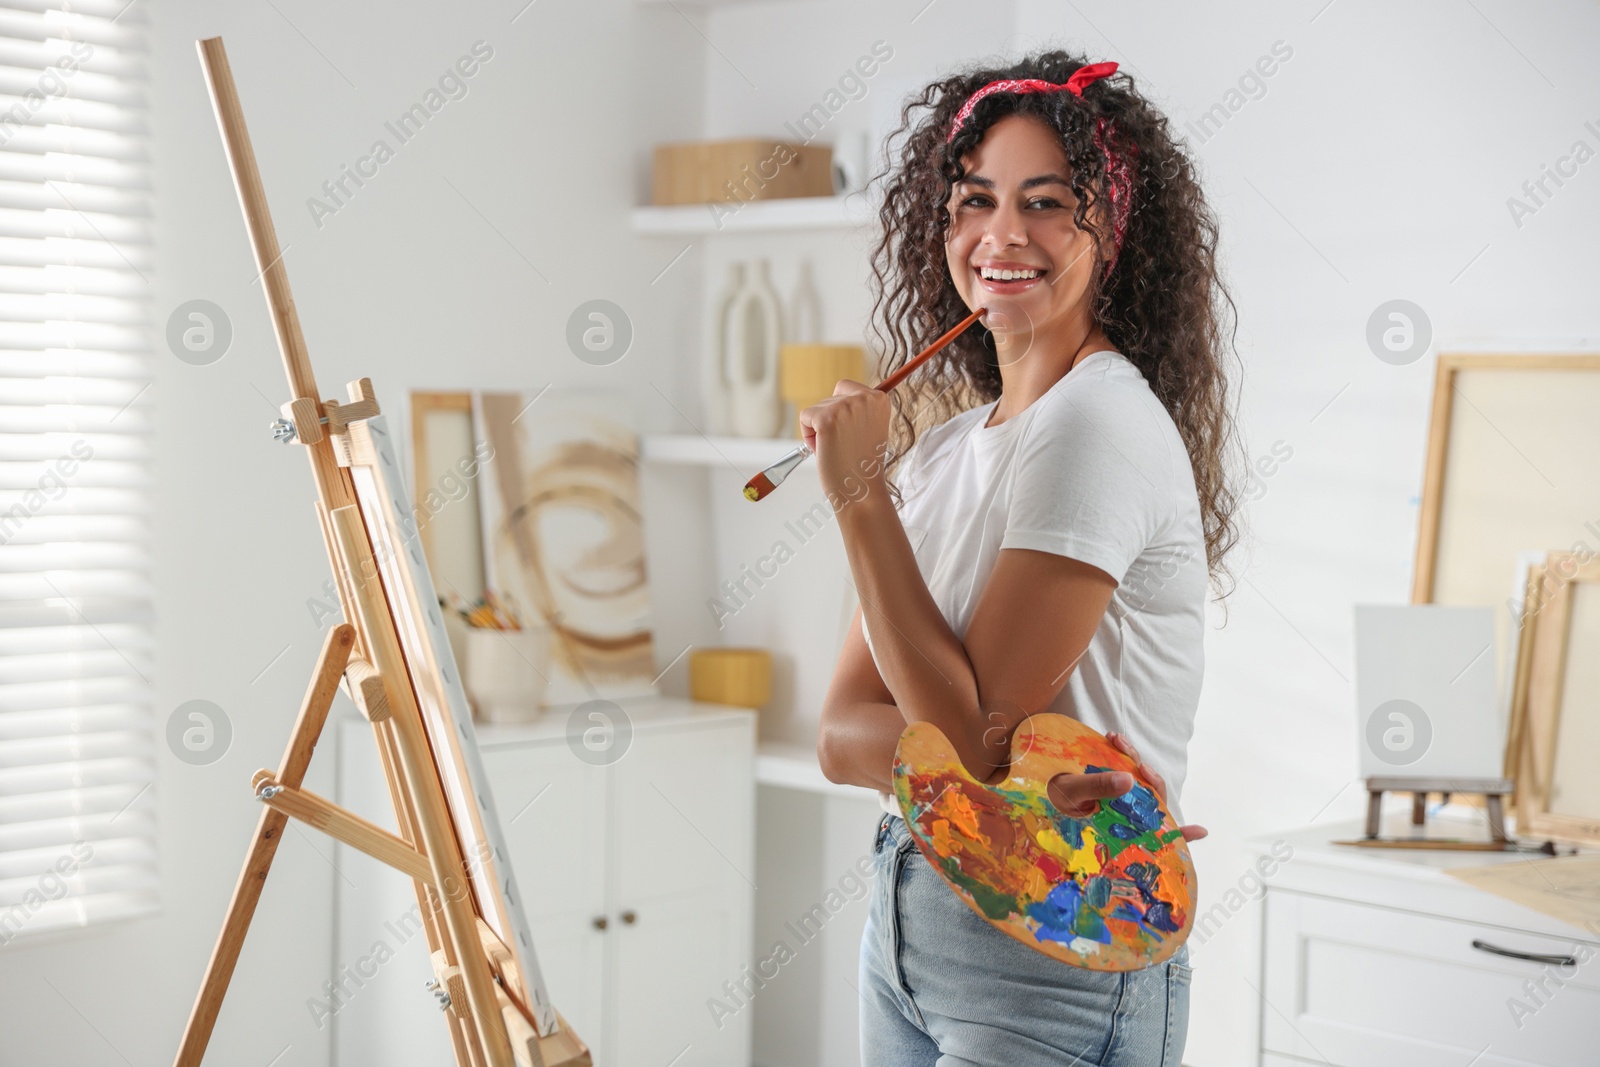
<point>1162,305</point>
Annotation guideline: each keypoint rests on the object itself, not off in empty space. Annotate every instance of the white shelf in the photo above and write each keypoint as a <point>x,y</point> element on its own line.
<point>755,453</point>
<point>643,713</point>
<point>795,767</point>
<point>793,213</point>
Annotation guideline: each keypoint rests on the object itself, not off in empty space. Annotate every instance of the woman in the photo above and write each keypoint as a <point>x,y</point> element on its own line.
<point>1046,544</point>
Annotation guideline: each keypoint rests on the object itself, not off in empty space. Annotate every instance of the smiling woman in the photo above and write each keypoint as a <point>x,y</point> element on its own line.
<point>1060,499</point>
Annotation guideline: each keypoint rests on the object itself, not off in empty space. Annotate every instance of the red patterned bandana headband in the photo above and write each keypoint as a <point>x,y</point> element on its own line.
<point>1118,172</point>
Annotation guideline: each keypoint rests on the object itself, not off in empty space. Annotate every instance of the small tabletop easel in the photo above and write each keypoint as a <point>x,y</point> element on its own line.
<point>1491,789</point>
<point>395,664</point>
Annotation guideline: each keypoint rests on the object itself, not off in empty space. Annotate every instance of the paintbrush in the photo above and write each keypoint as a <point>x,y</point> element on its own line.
<point>762,485</point>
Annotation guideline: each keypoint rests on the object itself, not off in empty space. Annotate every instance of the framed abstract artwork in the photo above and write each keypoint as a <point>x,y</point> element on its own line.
<point>563,538</point>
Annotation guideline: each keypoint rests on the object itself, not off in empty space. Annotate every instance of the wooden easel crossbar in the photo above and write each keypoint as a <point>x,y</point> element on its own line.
<point>393,660</point>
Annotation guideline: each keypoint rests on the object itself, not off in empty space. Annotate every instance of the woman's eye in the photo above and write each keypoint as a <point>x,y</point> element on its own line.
<point>973,200</point>
<point>1044,201</point>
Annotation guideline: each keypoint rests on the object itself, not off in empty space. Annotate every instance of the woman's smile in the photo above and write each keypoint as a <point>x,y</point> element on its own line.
<point>1006,277</point>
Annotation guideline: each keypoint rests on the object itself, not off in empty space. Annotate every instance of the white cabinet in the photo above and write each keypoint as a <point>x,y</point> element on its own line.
<point>637,874</point>
<point>1376,958</point>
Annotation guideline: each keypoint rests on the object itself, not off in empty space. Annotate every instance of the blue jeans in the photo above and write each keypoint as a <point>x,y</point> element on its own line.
<point>940,987</point>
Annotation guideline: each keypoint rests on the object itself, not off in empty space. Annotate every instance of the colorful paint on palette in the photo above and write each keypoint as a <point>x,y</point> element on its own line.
<point>1112,891</point>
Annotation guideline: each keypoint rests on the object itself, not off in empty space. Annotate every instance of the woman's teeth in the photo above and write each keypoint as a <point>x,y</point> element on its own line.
<point>991,274</point>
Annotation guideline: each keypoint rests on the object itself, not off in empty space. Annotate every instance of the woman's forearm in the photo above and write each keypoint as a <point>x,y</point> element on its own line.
<point>920,658</point>
<point>856,743</point>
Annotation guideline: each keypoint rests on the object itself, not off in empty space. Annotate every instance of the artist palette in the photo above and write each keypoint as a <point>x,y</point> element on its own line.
<point>1111,891</point>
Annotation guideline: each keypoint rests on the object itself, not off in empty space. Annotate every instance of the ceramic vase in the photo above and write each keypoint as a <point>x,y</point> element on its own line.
<point>755,334</point>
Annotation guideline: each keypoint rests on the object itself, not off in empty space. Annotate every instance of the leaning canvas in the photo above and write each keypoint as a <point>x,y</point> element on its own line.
<point>563,535</point>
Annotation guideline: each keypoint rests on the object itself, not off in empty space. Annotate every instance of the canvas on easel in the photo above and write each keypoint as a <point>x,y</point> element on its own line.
<point>392,658</point>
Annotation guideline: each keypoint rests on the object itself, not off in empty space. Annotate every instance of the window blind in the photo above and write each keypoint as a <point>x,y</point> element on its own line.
<point>77,756</point>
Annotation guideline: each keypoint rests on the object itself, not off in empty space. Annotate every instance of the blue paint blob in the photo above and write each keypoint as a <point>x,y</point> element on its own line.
<point>1140,807</point>
<point>1125,912</point>
<point>1057,913</point>
<point>1159,916</point>
<point>1144,876</point>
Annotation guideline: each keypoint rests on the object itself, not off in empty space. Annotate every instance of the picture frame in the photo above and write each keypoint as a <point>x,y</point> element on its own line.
<point>446,458</point>
<point>1557,694</point>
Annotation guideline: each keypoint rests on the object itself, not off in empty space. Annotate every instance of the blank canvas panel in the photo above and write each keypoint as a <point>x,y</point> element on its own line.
<point>1511,467</point>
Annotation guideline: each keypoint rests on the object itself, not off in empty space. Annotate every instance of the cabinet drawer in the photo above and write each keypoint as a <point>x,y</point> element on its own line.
<point>1363,986</point>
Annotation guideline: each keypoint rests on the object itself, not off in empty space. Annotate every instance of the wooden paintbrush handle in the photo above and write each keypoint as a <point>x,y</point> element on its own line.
<point>927,353</point>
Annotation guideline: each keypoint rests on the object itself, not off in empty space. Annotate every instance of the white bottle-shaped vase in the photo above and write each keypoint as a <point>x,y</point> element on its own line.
<point>715,386</point>
<point>755,335</point>
<point>805,309</point>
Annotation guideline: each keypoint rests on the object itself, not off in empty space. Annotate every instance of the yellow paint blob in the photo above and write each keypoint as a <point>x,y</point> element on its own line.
<point>1078,860</point>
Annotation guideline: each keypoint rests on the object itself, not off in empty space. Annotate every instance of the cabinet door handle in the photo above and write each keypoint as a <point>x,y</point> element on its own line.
<point>600,922</point>
<point>1531,957</point>
<point>630,917</point>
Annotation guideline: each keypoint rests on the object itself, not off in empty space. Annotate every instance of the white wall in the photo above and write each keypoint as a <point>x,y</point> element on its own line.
<point>1376,166</point>
<point>406,284</point>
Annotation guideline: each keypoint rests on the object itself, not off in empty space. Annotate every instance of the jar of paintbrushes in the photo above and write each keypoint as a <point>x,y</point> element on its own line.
<point>504,661</point>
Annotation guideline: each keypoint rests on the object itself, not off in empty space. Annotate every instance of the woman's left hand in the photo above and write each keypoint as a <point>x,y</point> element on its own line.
<point>849,432</point>
<point>1191,832</point>
<point>1079,795</point>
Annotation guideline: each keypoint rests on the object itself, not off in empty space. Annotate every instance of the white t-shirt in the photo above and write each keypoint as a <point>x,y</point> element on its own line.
<point>1094,469</point>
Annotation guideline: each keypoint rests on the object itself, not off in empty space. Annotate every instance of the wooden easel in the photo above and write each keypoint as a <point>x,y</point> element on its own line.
<point>490,987</point>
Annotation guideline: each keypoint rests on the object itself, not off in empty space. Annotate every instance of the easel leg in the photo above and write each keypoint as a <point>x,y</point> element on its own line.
<point>264,846</point>
<point>462,1034</point>
<point>1497,818</point>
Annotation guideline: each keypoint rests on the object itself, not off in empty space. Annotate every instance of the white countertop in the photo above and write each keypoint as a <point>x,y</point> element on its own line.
<point>1406,879</point>
<point>645,712</point>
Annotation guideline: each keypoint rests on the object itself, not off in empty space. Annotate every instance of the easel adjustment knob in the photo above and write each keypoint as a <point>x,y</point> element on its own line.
<point>302,421</point>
